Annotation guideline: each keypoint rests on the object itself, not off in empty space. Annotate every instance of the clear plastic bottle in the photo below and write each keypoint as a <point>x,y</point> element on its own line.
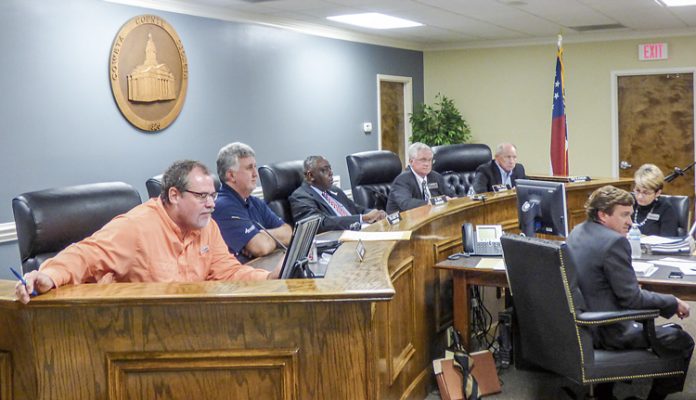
<point>634,240</point>
<point>471,193</point>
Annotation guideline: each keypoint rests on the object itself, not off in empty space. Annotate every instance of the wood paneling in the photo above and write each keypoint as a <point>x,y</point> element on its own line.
<point>368,330</point>
<point>251,374</point>
<point>392,121</point>
<point>401,317</point>
<point>5,375</point>
<point>656,125</point>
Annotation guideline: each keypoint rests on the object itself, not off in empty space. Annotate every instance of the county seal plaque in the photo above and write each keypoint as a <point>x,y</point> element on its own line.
<point>148,72</point>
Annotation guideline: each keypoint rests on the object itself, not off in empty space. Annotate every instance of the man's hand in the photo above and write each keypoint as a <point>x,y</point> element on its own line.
<point>374,216</point>
<point>275,274</point>
<point>683,309</point>
<point>35,280</point>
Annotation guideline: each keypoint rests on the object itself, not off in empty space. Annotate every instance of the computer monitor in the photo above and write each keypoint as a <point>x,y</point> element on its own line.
<point>541,207</point>
<point>295,263</point>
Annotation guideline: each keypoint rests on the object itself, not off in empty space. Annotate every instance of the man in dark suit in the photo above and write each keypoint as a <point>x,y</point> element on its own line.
<point>418,183</point>
<point>317,195</point>
<point>501,172</point>
<point>602,256</point>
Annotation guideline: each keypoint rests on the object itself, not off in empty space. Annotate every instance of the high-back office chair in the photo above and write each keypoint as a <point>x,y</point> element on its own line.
<point>682,207</point>
<point>154,185</point>
<point>545,294</point>
<point>457,163</point>
<point>50,220</point>
<point>371,174</point>
<point>278,181</point>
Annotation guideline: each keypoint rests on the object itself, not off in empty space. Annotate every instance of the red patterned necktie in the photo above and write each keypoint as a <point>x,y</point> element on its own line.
<point>338,207</point>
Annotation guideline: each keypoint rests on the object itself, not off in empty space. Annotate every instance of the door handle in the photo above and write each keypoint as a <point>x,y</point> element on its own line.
<point>625,164</point>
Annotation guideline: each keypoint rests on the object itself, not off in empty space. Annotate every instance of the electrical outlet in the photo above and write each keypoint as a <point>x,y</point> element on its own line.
<point>449,333</point>
<point>367,127</point>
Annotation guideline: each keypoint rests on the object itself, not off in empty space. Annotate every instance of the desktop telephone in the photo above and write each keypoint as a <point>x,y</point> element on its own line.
<point>485,241</point>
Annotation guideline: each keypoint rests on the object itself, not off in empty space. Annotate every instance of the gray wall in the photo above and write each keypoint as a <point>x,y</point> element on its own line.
<point>286,94</point>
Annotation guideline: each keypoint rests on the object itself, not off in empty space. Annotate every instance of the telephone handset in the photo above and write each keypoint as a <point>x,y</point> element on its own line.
<point>485,241</point>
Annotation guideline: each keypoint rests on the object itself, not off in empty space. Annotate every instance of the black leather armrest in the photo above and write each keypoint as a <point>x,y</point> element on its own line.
<point>609,317</point>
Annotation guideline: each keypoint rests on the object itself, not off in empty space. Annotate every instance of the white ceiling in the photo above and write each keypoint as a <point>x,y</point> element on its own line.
<point>453,23</point>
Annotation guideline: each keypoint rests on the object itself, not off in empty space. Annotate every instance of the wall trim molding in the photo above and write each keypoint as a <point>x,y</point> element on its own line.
<point>8,232</point>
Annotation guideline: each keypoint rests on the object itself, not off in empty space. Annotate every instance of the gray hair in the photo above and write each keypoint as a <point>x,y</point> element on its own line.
<point>177,176</point>
<point>415,148</point>
<point>499,148</point>
<point>228,157</point>
<point>311,162</point>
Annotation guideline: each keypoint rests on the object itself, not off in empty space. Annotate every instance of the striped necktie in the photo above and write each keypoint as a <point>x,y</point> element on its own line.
<point>426,193</point>
<point>338,207</point>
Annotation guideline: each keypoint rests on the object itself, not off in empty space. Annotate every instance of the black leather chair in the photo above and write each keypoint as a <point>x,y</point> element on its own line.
<point>50,220</point>
<point>371,174</point>
<point>457,163</point>
<point>545,294</point>
<point>683,208</point>
<point>278,181</point>
<point>154,185</point>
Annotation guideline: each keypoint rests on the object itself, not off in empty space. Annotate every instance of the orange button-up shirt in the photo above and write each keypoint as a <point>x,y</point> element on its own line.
<point>145,245</point>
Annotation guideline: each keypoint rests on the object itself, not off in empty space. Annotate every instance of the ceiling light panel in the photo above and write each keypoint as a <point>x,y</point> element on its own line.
<point>375,21</point>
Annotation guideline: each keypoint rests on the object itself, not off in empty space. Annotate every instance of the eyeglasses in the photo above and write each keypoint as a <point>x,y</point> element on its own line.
<point>644,193</point>
<point>203,197</point>
<point>425,160</point>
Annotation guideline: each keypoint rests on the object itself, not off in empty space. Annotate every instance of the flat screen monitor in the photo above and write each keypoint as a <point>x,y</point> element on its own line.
<point>541,207</point>
<point>295,261</point>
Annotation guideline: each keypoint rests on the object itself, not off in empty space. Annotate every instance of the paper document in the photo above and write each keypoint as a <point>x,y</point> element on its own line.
<point>491,263</point>
<point>687,267</point>
<point>644,269</point>
<point>657,240</point>
<point>354,236</point>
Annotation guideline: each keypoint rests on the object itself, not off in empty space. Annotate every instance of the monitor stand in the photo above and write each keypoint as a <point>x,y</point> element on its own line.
<point>300,269</point>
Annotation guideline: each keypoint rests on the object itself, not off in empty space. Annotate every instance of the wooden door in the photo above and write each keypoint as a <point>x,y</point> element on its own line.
<point>656,125</point>
<point>392,118</point>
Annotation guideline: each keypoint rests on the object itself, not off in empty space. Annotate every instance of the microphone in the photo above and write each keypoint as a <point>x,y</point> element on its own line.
<point>262,229</point>
<point>678,172</point>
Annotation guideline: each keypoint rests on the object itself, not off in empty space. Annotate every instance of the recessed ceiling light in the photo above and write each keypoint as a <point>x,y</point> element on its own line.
<point>374,21</point>
<point>676,3</point>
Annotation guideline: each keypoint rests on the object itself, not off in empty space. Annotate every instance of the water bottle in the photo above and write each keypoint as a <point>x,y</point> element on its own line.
<point>634,240</point>
<point>471,192</point>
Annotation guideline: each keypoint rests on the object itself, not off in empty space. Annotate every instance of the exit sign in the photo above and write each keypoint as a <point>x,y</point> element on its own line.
<point>652,51</point>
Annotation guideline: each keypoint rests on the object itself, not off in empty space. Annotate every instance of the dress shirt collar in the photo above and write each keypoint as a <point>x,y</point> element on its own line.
<point>505,177</point>
<point>419,178</point>
<point>167,221</point>
<point>225,188</point>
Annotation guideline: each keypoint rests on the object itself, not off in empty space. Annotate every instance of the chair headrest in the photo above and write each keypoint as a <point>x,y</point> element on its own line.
<point>50,220</point>
<point>279,180</point>
<point>371,167</point>
<point>460,157</point>
<point>154,185</point>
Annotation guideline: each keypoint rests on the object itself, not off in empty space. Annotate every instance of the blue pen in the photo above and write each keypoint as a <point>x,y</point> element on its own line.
<point>21,279</point>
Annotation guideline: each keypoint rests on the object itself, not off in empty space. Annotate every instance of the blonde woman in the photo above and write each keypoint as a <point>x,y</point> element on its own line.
<point>653,216</point>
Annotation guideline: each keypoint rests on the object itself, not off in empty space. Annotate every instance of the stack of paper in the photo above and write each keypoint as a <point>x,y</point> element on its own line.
<point>644,269</point>
<point>662,245</point>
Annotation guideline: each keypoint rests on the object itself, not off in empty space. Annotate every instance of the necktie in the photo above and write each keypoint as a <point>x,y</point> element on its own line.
<point>426,193</point>
<point>338,207</point>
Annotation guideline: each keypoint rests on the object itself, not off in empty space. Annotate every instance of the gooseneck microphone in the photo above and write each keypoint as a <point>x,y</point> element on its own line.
<point>678,172</point>
<point>262,229</point>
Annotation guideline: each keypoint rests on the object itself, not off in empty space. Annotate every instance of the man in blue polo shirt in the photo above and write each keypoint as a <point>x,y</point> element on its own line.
<point>247,224</point>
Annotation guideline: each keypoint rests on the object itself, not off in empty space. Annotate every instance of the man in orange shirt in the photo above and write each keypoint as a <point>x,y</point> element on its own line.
<point>169,239</point>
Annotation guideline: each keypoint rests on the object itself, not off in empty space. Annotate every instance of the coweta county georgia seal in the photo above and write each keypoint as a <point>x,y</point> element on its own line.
<point>148,72</point>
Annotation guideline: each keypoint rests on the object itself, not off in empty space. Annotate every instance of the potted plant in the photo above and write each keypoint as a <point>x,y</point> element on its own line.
<point>441,123</point>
